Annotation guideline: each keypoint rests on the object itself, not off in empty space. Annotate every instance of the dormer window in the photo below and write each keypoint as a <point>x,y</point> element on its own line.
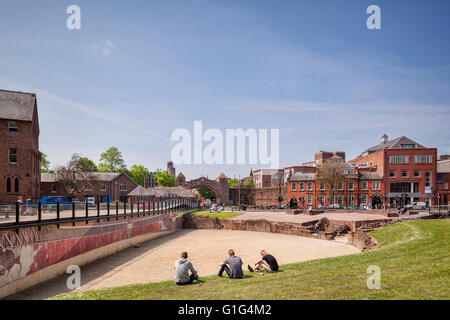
<point>408,146</point>
<point>12,127</point>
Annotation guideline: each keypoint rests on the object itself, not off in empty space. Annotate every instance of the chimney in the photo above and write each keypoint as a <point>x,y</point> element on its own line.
<point>384,138</point>
<point>146,182</point>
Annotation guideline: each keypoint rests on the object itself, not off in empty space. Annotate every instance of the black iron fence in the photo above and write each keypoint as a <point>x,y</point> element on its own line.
<point>42,214</point>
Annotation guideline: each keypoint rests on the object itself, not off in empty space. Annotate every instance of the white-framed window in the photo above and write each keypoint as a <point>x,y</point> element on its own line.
<point>446,186</point>
<point>322,185</point>
<point>351,185</point>
<point>309,199</point>
<point>340,186</point>
<point>351,199</point>
<point>364,185</point>
<point>309,186</point>
<point>322,200</point>
<point>12,155</point>
<point>416,173</point>
<point>405,174</point>
<point>423,158</point>
<point>376,185</point>
<point>54,187</point>
<point>398,159</point>
<point>301,186</point>
<point>364,199</point>
<point>408,146</point>
<point>88,187</point>
<point>103,186</point>
<point>392,174</point>
<point>428,178</point>
<point>12,127</point>
<point>123,187</point>
<point>294,186</point>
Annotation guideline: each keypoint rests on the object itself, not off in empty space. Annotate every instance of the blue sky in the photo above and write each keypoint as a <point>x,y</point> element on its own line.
<point>137,70</point>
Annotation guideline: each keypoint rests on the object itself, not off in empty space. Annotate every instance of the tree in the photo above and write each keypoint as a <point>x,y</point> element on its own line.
<point>331,174</point>
<point>206,193</point>
<point>138,173</point>
<point>164,179</point>
<point>233,183</point>
<point>248,183</point>
<point>87,164</point>
<point>112,161</point>
<point>73,177</point>
<point>45,164</point>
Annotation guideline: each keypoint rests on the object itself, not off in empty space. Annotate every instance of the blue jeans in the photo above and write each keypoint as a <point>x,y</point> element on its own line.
<point>191,279</point>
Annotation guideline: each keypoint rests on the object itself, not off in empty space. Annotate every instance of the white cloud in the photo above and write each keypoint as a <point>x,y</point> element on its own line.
<point>104,47</point>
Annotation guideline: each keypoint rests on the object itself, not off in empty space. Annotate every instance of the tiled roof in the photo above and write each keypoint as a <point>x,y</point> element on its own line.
<point>392,144</point>
<point>161,192</point>
<point>17,105</point>
<point>302,177</point>
<point>370,176</point>
<point>98,176</point>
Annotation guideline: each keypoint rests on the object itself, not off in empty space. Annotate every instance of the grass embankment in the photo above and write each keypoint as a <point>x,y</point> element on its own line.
<point>220,215</point>
<point>414,258</point>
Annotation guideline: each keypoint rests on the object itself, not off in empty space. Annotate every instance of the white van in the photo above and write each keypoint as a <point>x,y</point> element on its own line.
<point>90,201</point>
<point>417,206</point>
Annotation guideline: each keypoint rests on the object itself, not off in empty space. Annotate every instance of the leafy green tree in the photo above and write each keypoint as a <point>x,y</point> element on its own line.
<point>45,164</point>
<point>164,179</point>
<point>138,173</point>
<point>248,183</point>
<point>112,161</point>
<point>206,193</point>
<point>87,165</point>
<point>233,183</point>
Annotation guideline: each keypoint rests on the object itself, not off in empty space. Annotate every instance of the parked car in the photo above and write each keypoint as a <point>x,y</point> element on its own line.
<point>416,206</point>
<point>90,201</point>
<point>334,206</point>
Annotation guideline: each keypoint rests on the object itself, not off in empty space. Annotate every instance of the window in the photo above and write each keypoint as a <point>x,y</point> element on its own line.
<point>376,185</point>
<point>350,185</point>
<point>364,185</point>
<point>446,186</point>
<point>103,186</point>
<point>12,155</point>
<point>16,185</point>
<point>293,188</point>
<point>322,200</point>
<point>301,186</point>
<point>54,187</point>
<point>322,185</point>
<point>364,199</point>
<point>8,185</point>
<point>88,187</point>
<point>404,173</point>
<point>309,186</point>
<point>423,159</point>
<point>392,174</point>
<point>12,127</point>
<point>416,173</point>
<point>428,178</point>
<point>123,187</point>
<point>340,186</point>
<point>309,199</point>
<point>351,199</point>
<point>398,159</point>
<point>339,200</point>
<point>408,146</point>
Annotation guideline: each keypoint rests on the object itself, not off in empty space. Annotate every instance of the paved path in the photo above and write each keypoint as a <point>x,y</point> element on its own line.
<point>153,260</point>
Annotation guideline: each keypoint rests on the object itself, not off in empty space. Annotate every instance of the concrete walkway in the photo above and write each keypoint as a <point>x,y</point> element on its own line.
<point>153,261</point>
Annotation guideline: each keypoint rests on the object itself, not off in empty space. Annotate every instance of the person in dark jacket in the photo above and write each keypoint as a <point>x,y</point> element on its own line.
<point>268,263</point>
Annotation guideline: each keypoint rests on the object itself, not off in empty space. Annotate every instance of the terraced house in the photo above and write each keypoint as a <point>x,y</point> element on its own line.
<point>19,147</point>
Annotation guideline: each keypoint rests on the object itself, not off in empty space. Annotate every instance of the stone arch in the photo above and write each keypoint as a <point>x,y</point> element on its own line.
<point>219,186</point>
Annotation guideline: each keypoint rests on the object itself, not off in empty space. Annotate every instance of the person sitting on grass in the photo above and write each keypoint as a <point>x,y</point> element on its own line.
<point>268,263</point>
<point>232,266</point>
<point>182,267</point>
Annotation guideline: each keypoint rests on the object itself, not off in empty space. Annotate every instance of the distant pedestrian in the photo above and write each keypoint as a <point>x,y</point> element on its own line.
<point>232,266</point>
<point>182,267</point>
<point>317,227</point>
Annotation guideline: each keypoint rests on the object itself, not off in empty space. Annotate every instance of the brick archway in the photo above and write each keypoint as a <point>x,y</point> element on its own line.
<point>218,186</point>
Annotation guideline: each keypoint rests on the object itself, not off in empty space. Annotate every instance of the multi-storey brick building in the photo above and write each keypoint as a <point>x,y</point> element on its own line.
<point>407,167</point>
<point>266,178</point>
<point>19,147</point>
<point>443,180</point>
<point>100,185</point>
<point>360,187</point>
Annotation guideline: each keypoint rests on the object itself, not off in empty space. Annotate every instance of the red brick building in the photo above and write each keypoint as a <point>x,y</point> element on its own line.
<point>408,170</point>
<point>361,187</point>
<point>19,149</point>
<point>266,178</point>
<point>443,180</point>
<point>101,185</point>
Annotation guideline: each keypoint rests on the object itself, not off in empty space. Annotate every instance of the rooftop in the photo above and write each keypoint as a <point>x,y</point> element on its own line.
<point>15,105</point>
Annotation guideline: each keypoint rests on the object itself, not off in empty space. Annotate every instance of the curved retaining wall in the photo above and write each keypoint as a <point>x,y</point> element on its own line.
<point>27,260</point>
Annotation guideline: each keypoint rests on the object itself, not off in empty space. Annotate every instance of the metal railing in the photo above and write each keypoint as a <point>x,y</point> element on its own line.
<point>42,214</point>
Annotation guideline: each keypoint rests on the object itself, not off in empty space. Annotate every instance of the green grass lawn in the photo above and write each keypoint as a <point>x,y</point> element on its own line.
<point>414,258</point>
<point>221,215</point>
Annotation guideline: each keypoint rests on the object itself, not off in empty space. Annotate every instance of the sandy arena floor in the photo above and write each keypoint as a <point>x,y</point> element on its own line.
<point>153,261</point>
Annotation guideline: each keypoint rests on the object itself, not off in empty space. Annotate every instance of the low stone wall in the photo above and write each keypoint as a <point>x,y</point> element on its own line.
<point>31,251</point>
<point>362,240</point>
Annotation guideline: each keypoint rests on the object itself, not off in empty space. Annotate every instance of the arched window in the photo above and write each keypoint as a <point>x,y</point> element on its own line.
<point>8,185</point>
<point>16,185</point>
